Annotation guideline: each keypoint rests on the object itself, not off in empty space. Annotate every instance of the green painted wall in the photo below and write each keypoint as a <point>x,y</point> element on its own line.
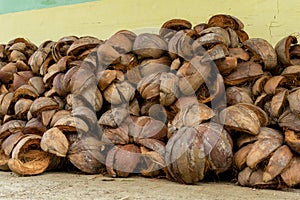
<point>9,6</point>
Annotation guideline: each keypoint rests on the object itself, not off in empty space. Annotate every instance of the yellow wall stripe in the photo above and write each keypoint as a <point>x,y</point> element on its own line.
<point>267,19</point>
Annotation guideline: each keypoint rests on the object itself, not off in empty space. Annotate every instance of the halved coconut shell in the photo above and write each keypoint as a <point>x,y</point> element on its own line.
<point>9,143</point>
<point>27,158</point>
<point>245,71</point>
<point>262,51</point>
<point>291,175</point>
<point>87,154</point>
<point>277,163</point>
<point>147,127</point>
<point>71,124</point>
<point>244,117</point>
<point>292,139</point>
<point>123,160</point>
<point>81,44</point>
<point>224,21</point>
<point>278,103</point>
<point>288,120</point>
<point>25,91</point>
<point>11,127</point>
<point>174,24</point>
<point>55,142</point>
<point>273,84</point>
<point>240,157</point>
<point>294,101</point>
<point>122,41</point>
<point>236,95</point>
<point>34,126</point>
<point>282,49</point>
<point>261,150</point>
<point>42,104</point>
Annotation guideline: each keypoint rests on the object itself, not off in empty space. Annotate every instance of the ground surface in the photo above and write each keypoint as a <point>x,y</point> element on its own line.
<point>56,185</point>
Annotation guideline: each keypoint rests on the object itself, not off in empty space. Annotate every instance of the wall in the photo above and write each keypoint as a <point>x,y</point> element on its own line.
<point>22,5</point>
<point>269,19</point>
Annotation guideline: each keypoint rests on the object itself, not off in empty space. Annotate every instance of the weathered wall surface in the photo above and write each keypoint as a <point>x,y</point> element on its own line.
<point>41,20</point>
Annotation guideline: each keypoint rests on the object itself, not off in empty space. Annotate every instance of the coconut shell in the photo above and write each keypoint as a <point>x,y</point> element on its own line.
<point>291,71</point>
<point>27,158</point>
<point>147,127</point>
<point>117,93</point>
<point>61,47</point>
<point>226,65</point>
<point>174,24</point>
<point>225,21</point>
<point>246,139</point>
<point>200,148</point>
<point>21,107</point>
<point>258,86</point>
<point>58,115</point>
<point>245,71</point>
<point>113,117</point>
<point>193,74</point>
<point>236,95</point>
<point>149,45</point>
<point>291,175</point>
<point>289,120</point>
<point>254,178</point>
<point>240,157</point>
<point>39,56</point>
<point>278,103</point>
<point>168,89</point>
<point>234,38</point>
<point>282,49</point>
<point>182,45</point>
<point>21,78</point>
<point>4,161</point>
<point>208,38</point>
<point>294,100</point>
<point>261,150</point>
<point>217,52</point>
<point>123,160</point>
<point>87,156</point>
<point>107,76</point>
<point>244,176</point>
<point>153,152</point>
<point>244,117</point>
<point>55,142</point>
<point>262,51</point>
<point>122,41</point>
<point>192,115</point>
<point>34,126</point>
<point>239,53</point>
<point>292,140</point>
<point>6,101</point>
<point>277,163</point>
<point>273,84</point>
<point>153,66</point>
<point>11,127</point>
<point>176,155</point>
<point>42,104</point>
<point>9,143</point>
<point>82,44</point>
<point>71,124</point>
<point>117,136</point>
